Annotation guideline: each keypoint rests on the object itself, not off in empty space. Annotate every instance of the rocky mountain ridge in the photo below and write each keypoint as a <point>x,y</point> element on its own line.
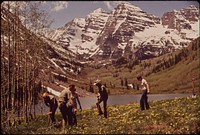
<point>128,30</point>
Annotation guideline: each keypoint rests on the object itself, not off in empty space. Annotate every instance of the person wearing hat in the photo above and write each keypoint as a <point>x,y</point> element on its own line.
<point>52,103</point>
<point>75,99</point>
<point>66,105</point>
<point>145,90</point>
<point>102,96</point>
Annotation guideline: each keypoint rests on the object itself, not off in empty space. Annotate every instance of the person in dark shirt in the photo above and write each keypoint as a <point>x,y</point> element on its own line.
<point>52,103</point>
<point>101,96</point>
<point>75,99</point>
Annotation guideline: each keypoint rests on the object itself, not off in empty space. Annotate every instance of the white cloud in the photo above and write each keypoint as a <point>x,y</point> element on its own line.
<point>60,5</point>
<point>44,2</point>
<point>108,5</point>
<point>112,4</point>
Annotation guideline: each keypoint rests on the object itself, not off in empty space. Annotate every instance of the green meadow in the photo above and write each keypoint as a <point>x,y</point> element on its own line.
<point>177,116</point>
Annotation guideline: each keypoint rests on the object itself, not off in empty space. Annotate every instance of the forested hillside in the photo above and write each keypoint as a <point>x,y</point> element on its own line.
<point>170,73</point>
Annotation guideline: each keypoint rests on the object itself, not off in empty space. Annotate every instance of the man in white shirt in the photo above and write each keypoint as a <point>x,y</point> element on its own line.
<point>145,90</point>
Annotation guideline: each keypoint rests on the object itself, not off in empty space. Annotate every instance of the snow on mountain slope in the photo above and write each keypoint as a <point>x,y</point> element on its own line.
<point>127,29</point>
<point>171,35</point>
<point>80,35</point>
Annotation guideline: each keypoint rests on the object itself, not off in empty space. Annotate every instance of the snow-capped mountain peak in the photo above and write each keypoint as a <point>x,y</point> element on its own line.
<point>126,29</point>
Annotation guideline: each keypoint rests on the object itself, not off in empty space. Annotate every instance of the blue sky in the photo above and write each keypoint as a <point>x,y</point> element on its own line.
<point>64,11</point>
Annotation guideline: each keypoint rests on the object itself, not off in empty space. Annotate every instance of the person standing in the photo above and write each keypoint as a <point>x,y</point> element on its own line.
<point>75,99</point>
<point>102,96</point>
<point>145,90</point>
<point>52,103</point>
<point>193,88</point>
<point>66,105</point>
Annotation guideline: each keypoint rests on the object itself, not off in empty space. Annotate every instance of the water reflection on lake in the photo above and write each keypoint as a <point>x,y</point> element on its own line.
<point>89,102</point>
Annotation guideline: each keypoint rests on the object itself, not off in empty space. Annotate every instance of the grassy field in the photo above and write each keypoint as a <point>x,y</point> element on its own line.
<point>176,79</point>
<point>177,116</point>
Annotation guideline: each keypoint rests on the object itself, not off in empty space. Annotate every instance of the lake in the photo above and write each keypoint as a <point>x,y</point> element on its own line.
<point>89,102</point>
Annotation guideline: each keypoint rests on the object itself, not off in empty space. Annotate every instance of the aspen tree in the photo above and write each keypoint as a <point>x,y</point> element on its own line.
<point>19,61</point>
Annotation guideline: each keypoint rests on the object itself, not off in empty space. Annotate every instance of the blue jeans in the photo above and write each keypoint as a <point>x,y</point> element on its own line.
<point>143,101</point>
